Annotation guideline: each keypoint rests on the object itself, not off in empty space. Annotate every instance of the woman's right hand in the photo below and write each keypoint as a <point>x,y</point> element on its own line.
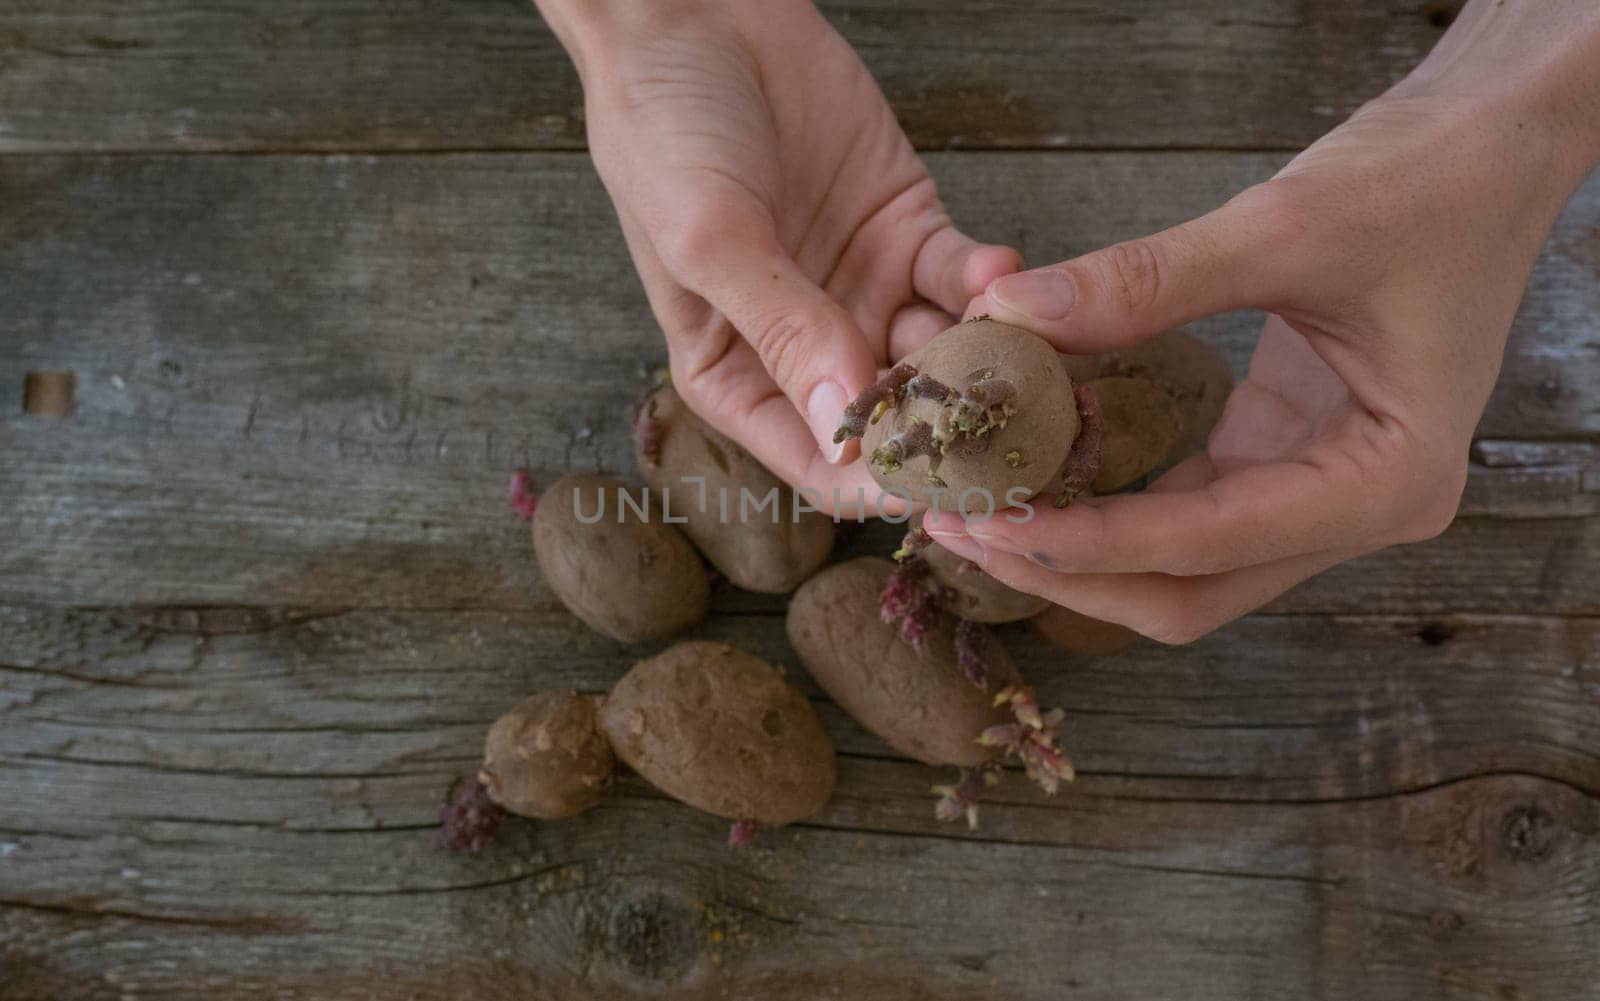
<point>788,237</point>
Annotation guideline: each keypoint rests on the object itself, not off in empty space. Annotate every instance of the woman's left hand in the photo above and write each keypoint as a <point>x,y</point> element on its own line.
<point>1391,255</point>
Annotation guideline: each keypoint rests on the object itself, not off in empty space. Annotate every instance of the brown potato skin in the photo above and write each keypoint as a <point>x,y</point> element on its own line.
<point>1143,426</point>
<point>547,757</point>
<point>756,553</point>
<point>1191,371</point>
<point>1041,431</point>
<point>918,704</point>
<point>1075,632</point>
<point>980,597</point>
<point>722,731</point>
<point>634,580</point>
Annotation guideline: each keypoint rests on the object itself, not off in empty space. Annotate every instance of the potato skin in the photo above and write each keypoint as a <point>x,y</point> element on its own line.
<point>722,731</point>
<point>1191,371</point>
<point>1038,435</point>
<point>768,551</point>
<point>1075,632</point>
<point>980,597</point>
<point>1143,426</point>
<point>918,704</point>
<point>547,757</point>
<point>632,580</point>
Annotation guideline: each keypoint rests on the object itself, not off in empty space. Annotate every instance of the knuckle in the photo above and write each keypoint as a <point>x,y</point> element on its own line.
<point>690,241</point>
<point>781,343</point>
<point>1279,209</point>
<point>1282,216</point>
<point>1133,274</point>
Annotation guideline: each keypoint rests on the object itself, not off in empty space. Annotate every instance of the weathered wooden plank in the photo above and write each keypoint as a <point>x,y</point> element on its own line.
<point>235,803</point>
<point>1535,454</point>
<point>1283,708</point>
<point>301,381</point>
<point>1488,882</point>
<point>196,522</point>
<point>485,74</point>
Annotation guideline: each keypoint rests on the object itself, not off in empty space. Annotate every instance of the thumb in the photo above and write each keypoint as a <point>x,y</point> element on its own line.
<point>808,343</point>
<point>1231,258</point>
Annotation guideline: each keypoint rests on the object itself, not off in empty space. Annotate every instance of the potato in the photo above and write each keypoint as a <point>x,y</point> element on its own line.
<point>722,731</point>
<point>1082,368</point>
<point>978,596</point>
<point>547,757</point>
<point>1002,464</point>
<point>1142,427</point>
<point>1078,633</point>
<point>1191,371</point>
<point>629,578</point>
<point>770,550</point>
<point>918,703</point>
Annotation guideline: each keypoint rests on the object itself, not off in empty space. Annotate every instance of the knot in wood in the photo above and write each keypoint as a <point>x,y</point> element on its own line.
<point>1527,833</point>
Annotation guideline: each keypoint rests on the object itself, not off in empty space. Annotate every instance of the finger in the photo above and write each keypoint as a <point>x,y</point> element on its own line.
<point>738,398</point>
<point>806,342</point>
<point>1328,498</point>
<point>951,267</point>
<point>913,326</point>
<point>1242,254</point>
<point>1192,473</point>
<point>1166,609</point>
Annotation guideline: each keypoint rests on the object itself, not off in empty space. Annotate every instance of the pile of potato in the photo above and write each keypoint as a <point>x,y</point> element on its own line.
<point>983,409</point>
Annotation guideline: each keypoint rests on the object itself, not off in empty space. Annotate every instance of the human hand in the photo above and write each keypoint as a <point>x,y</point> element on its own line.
<point>788,237</point>
<point>1391,255</point>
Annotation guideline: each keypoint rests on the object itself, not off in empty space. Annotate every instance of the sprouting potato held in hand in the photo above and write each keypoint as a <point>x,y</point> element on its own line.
<point>547,757</point>
<point>1142,427</point>
<point>722,731</point>
<point>1192,372</point>
<point>742,517</point>
<point>977,419</point>
<point>631,578</point>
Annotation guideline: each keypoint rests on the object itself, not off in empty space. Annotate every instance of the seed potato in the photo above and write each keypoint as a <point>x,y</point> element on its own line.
<point>978,596</point>
<point>629,578</point>
<point>916,702</point>
<point>1142,427</point>
<point>1021,455</point>
<point>547,757</point>
<point>722,731</point>
<point>769,550</point>
<point>1075,632</point>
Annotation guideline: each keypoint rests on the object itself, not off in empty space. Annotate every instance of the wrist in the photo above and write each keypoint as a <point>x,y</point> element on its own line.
<point>594,32</point>
<point>1532,68</point>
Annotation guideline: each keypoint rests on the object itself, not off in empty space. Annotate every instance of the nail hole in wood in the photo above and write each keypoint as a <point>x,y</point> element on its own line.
<point>49,394</point>
<point>1435,634</point>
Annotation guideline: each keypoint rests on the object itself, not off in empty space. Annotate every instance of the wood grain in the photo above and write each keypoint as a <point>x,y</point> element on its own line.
<point>265,594</point>
<point>303,380</point>
<point>238,802</point>
<point>238,75</point>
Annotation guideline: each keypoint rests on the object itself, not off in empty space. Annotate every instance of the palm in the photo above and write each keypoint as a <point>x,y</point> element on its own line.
<point>1290,399</point>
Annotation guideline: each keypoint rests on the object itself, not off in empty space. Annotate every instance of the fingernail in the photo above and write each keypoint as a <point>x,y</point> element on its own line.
<point>1041,295</point>
<point>823,409</point>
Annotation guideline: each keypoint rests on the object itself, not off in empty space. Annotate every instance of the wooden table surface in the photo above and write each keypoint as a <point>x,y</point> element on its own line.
<point>326,270</point>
